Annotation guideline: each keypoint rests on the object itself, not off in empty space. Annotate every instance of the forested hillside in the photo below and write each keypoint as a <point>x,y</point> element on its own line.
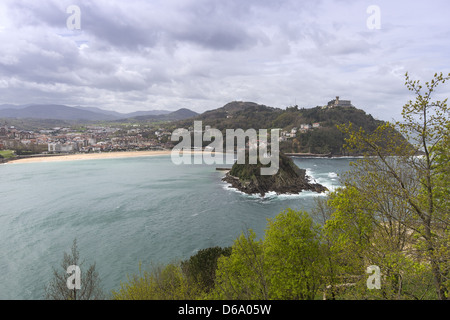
<point>324,138</point>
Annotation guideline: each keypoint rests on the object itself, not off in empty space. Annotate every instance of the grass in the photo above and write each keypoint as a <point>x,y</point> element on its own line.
<point>7,154</point>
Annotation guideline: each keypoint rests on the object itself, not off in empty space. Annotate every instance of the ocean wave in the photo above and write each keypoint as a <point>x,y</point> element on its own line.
<point>310,175</point>
<point>272,195</point>
<point>327,179</point>
<point>332,175</point>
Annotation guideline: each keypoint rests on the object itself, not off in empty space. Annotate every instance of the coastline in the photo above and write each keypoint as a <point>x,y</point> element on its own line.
<point>129,154</point>
<point>88,156</point>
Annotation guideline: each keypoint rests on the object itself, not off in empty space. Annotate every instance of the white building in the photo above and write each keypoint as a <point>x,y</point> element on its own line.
<point>305,126</point>
<point>57,147</point>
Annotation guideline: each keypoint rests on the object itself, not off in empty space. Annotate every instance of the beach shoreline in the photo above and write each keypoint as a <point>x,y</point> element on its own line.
<point>128,154</point>
<point>89,156</point>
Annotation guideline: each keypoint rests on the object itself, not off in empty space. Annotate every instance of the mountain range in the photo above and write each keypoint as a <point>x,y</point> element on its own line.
<point>77,113</point>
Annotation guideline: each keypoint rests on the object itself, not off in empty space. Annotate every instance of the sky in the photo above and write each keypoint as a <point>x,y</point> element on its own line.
<point>138,55</point>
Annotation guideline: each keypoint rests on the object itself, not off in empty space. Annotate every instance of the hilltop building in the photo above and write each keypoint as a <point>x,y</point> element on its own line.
<point>338,103</point>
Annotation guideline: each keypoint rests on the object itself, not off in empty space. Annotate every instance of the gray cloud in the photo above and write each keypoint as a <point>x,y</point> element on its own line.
<point>136,55</point>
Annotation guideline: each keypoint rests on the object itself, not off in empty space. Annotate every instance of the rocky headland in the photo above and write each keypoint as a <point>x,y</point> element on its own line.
<point>289,179</point>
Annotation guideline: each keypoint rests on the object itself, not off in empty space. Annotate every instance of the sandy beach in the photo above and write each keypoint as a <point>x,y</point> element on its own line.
<point>92,156</point>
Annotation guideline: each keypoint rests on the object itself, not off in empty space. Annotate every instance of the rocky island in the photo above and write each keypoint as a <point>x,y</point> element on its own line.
<point>290,179</point>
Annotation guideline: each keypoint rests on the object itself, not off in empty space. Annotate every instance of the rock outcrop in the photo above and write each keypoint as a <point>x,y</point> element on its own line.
<point>289,179</point>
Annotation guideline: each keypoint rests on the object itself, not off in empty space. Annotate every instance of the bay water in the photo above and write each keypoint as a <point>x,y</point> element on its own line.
<point>127,211</point>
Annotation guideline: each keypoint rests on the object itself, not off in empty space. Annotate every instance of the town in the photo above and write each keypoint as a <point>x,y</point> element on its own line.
<point>90,138</point>
<point>135,136</point>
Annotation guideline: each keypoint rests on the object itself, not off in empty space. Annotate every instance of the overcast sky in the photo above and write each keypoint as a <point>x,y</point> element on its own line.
<point>201,54</point>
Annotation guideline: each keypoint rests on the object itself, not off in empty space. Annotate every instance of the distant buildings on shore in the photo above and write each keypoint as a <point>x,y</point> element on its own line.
<point>104,138</point>
<point>92,139</point>
<point>285,135</point>
<point>11,138</point>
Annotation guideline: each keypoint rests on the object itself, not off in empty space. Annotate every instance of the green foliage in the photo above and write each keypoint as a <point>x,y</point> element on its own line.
<point>287,168</point>
<point>159,283</point>
<point>7,154</point>
<point>406,194</point>
<point>242,275</point>
<point>287,264</point>
<point>137,287</point>
<point>360,234</point>
<point>201,267</point>
<point>441,183</point>
<point>349,230</point>
<point>393,211</point>
<point>292,247</point>
<point>190,279</point>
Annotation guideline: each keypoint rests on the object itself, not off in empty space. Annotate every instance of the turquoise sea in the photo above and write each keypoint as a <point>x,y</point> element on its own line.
<point>126,211</point>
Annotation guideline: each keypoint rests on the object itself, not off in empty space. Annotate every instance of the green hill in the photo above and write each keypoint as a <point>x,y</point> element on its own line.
<point>324,139</point>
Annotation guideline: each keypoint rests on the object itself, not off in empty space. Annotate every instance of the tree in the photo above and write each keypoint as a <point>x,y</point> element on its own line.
<point>348,235</point>
<point>293,256</point>
<point>286,264</point>
<point>167,282</point>
<point>201,267</point>
<point>138,287</point>
<point>362,232</point>
<point>57,289</point>
<point>242,275</point>
<point>442,205</point>
<point>404,180</point>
